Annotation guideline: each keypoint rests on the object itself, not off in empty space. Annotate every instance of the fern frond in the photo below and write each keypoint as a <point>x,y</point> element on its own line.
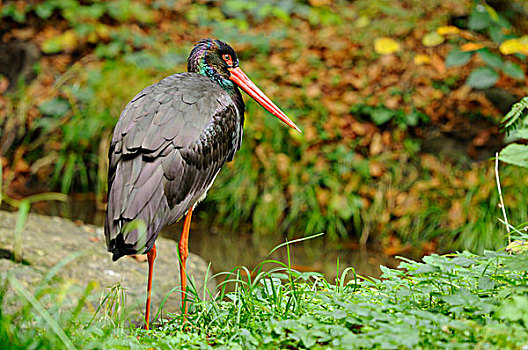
<point>515,116</point>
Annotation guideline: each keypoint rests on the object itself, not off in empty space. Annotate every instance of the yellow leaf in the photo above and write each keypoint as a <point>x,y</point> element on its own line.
<point>446,30</point>
<point>518,45</point>
<point>362,22</point>
<point>492,13</point>
<point>518,246</point>
<point>421,59</point>
<point>386,46</point>
<point>69,40</point>
<point>316,3</point>
<point>103,31</point>
<point>92,38</point>
<point>471,47</point>
<point>66,42</point>
<point>432,39</point>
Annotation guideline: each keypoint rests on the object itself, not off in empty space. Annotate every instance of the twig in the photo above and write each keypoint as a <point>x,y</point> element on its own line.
<point>500,196</point>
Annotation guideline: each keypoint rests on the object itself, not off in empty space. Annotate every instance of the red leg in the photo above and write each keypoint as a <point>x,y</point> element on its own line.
<point>151,256</point>
<point>183,247</point>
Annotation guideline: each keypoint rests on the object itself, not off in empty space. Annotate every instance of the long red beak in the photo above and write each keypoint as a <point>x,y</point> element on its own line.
<point>242,80</point>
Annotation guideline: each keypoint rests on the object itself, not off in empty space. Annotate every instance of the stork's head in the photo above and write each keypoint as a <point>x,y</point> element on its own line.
<point>212,58</point>
<point>218,61</point>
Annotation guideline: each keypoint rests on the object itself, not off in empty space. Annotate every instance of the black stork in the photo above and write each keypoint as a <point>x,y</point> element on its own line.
<point>168,146</point>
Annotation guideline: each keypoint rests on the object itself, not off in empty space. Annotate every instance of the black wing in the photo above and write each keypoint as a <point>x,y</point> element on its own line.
<point>168,146</point>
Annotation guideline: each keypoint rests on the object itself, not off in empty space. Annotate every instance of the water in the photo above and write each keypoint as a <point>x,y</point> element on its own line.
<point>226,249</point>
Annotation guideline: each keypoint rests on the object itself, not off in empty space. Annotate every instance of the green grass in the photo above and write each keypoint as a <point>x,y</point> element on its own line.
<point>458,301</point>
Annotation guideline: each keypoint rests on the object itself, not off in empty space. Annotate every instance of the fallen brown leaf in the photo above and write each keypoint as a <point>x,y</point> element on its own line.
<point>376,145</point>
<point>139,257</point>
<point>21,166</point>
<point>376,168</point>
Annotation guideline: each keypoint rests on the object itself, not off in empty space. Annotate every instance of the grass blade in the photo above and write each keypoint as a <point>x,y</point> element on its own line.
<point>295,241</point>
<point>1,183</point>
<point>23,212</point>
<point>40,309</point>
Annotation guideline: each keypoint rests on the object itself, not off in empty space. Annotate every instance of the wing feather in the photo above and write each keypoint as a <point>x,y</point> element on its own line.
<point>168,146</point>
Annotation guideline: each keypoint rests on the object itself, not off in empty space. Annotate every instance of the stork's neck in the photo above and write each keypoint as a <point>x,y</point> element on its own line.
<point>212,74</point>
<point>199,65</point>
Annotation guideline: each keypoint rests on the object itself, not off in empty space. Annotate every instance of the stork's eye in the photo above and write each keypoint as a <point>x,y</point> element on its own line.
<point>227,58</point>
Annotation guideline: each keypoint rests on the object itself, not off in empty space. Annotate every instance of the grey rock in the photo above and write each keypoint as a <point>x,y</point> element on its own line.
<point>48,240</point>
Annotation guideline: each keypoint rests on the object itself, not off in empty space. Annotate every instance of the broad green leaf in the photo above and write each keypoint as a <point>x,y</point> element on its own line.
<point>55,107</point>
<point>461,298</point>
<point>479,20</point>
<point>482,78</point>
<point>94,11</point>
<point>486,283</point>
<point>491,59</point>
<point>457,58</point>
<point>423,269</point>
<point>338,314</point>
<point>381,116</point>
<point>45,9</point>
<point>496,34</point>
<point>515,154</point>
<point>412,119</point>
<point>514,308</point>
<point>503,22</point>
<point>14,11</point>
<point>461,261</point>
<point>513,70</point>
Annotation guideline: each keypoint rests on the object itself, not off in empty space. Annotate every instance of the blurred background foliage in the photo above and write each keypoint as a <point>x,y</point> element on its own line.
<point>399,103</point>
